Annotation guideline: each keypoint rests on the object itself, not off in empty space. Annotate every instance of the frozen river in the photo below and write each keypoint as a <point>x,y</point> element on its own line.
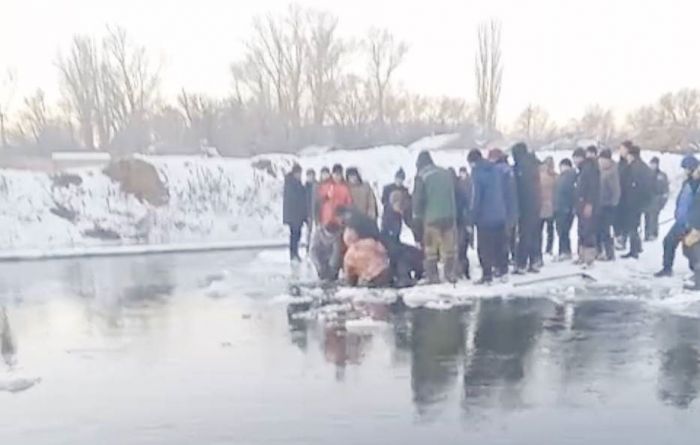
<point>198,349</point>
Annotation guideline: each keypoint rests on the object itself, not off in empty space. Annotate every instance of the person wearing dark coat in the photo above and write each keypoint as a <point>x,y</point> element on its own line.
<point>620,214</point>
<point>311,206</point>
<point>294,211</point>
<point>609,200</point>
<point>489,214</point>
<point>587,204</point>
<point>660,193</point>
<point>510,195</point>
<point>527,178</point>
<point>636,194</point>
<point>564,206</point>
<point>679,228</point>
<point>398,185</point>
<point>406,261</point>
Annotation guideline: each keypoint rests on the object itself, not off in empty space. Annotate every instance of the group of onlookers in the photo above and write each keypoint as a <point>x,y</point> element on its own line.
<point>513,212</point>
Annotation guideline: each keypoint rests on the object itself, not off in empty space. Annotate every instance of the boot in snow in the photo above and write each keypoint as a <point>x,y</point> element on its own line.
<point>663,273</point>
<point>431,272</point>
<point>451,270</point>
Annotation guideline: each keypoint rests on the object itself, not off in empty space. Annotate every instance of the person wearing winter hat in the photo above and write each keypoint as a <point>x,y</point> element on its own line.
<point>680,225</point>
<point>609,200</point>
<point>362,194</point>
<point>527,180</point>
<point>636,186</point>
<point>294,209</point>
<point>510,196</point>
<point>398,186</point>
<point>587,205</point>
<point>660,192</point>
<point>434,217</point>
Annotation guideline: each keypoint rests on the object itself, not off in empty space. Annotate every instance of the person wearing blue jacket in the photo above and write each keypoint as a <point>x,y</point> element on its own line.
<point>679,228</point>
<point>488,213</point>
<point>510,195</point>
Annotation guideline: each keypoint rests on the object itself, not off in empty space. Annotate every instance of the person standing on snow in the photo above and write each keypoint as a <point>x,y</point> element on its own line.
<point>489,214</point>
<point>621,214</point>
<point>680,225</point>
<point>691,240</point>
<point>362,195</point>
<point>659,199</point>
<point>636,193</point>
<point>564,205</point>
<point>528,184</point>
<point>311,205</point>
<point>510,197</point>
<point>332,195</point>
<point>609,200</point>
<point>463,199</point>
<point>587,201</point>
<point>434,217</point>
<point>548,179</point>
<point>294,209</point>
<point>398,186</point>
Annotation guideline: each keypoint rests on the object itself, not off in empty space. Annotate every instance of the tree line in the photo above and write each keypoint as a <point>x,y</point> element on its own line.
<point>298,82</point>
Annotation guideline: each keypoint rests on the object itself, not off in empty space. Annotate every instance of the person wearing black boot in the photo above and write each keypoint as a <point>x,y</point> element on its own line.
<point>527,179</point>
<point>564,204</point>
<point>679,228</point>
<point>660,192</point>
<point>609,200</point>
<point>621,213</point>
<point>510,197</point>
<point>294,209</point>
<point>636,193</point>
<point>587,203</point>
<point>489,214</point>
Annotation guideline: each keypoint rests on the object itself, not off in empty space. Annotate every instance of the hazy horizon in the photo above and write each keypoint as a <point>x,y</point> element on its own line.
<point>563,56</point>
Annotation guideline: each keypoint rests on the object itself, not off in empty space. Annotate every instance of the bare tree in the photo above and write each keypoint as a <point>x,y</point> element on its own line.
<point>489,73</point>
<point>325,53</point>
<point>8,85</point>
<point>35,116</point>
<point>351,109</point>
<point>533,124</point>
<point>80,84</point>
<point>201,114</point>
<point>385,55</point>
<point>598,123</point>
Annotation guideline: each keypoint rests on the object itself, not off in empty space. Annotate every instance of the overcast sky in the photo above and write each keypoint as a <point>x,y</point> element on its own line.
<point>561,54</point>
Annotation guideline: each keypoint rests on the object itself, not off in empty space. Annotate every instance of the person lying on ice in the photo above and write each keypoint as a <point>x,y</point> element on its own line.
<point>406,261</point>
<point>366,261</point>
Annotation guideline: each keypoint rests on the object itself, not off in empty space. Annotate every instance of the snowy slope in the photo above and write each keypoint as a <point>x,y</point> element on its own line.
<point>211,199</point>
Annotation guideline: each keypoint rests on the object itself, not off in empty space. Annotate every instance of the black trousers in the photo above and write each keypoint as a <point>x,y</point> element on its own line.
<point>548,224</point>
<point>651,224</point>
<point>294,238</point>
<point>606,243</point>
<point>564,221</point>
<point>633,220</point>
<point>527,250</point>
<point>464,239</point>
<point>671,241</point>
<point>491,246</point>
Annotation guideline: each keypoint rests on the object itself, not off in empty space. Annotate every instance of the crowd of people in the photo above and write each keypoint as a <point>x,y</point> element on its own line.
<point>511,211</point>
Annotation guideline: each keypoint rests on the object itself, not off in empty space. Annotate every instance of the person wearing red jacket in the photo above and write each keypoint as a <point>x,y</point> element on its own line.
<point>331,196</point>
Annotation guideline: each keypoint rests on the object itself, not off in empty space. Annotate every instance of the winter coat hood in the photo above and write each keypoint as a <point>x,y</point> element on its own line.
<point>424,160</point>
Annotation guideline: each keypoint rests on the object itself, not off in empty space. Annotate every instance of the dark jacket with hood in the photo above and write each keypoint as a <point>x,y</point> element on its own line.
<point>510,191</point>
<point>294,201</point>
<point>588,185</point>
<point>565,193</point>
<point>463,200</point>
<point>661,191</point>
<point>527,178</point>
<point>637,187</point>
<point>433,194</point>
<point>488,199</point>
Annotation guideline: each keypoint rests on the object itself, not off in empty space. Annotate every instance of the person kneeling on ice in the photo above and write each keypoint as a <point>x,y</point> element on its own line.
<point>366,261</point>
<point>326,252</point>
<point>406,261</point>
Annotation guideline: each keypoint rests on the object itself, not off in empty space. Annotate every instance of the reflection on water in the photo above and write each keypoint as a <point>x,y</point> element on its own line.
<point>142,339</point>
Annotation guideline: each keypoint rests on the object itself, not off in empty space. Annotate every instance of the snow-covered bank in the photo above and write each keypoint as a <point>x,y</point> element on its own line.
<point>211,200</point>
